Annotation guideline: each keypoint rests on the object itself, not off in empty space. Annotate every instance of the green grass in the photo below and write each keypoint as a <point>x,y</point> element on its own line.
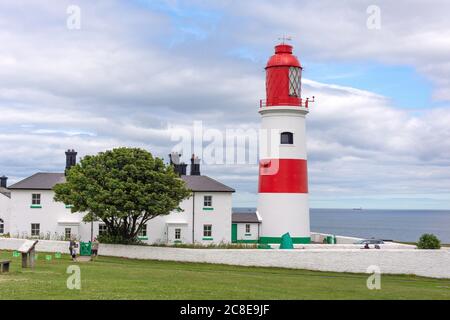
<point>117,278</point>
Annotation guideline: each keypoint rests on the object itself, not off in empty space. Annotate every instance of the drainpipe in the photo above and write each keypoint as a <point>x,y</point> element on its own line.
<point>193,217</point>
<point>259,224</point>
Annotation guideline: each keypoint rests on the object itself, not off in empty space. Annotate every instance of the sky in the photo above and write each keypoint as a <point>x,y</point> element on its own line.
<point>134,73</point>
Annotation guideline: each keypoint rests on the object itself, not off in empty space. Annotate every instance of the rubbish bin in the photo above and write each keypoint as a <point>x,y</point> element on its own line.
<point>330,240</point>
<point>85,248</point>
<point>286,242</point>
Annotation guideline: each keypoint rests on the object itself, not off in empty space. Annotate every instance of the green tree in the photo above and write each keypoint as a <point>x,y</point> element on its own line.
<point>124,188</point>
<point>429,241</point>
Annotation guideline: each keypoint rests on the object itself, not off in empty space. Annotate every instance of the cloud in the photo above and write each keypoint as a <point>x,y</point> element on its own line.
<point>128,79</point>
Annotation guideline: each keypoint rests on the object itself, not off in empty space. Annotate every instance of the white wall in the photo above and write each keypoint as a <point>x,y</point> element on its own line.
<point>162,229</point>
<point>5,211</point>
<point>219,218</point>
<point>54,217</point>
<point>427,263</point>
<point>242,235</point>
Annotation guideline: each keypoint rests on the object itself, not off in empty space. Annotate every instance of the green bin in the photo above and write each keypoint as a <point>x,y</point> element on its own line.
<point>85,248</point>
<point>330,240</point>
<point>286,241</point>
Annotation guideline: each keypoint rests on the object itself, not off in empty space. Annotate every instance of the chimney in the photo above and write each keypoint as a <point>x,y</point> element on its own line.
<point>3,182</point>
<point>71,159</point>
<point>195,166</point>
<point>179,167</point>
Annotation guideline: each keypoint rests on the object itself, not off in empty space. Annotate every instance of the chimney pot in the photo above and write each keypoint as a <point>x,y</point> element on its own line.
<point>3,182</point>
<point>195,165</point>
<point>71,159</point>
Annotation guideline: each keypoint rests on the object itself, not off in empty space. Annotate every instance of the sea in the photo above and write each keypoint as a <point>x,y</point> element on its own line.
<point>399,225</point>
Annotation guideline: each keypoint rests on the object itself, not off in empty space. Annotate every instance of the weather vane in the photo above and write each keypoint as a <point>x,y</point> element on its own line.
<point>285,38</point>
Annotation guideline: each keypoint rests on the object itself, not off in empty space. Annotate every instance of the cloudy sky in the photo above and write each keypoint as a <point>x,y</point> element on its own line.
<point>137,71</point>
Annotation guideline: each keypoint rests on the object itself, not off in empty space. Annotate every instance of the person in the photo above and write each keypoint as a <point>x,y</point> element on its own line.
<point>366,246</point>
<point>72,248</point>
<point>94,248</point>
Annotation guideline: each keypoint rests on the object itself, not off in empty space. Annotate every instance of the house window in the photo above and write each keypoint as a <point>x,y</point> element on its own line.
<point>295,74</point>
<point>35,229</point>
<point>143,232</point>
<point>207,201</point>
<point>287,138</point>
<point>247,228</point>
<point>101,229</point>
<point>2,226</point>
<point>36,199</point>
<point>68,233</point>
<point>207,230</point>
<point>177,234</point>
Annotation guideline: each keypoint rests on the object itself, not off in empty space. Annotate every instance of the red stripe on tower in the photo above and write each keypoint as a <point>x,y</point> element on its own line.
<point>283,175</point>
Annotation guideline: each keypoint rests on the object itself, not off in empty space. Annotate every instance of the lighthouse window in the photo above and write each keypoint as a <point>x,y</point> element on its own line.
<point>294,81</point>
<point>287,138</point>
<point>2,227</point>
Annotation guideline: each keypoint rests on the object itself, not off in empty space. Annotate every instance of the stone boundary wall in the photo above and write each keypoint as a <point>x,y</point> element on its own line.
<point>427,263</point>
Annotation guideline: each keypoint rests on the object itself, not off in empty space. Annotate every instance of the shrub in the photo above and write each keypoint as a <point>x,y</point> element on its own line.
<point>117,239</point>
<point>429,241</point>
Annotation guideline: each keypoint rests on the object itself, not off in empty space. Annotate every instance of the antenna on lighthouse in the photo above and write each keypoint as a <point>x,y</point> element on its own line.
<point>285,38</point>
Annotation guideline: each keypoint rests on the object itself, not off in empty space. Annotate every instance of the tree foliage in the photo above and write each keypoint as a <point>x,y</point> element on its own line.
<point>429,241</point>
<point>124,188</point>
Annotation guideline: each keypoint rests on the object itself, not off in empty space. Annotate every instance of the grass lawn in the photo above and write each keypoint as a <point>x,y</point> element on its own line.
<point>117,278</point>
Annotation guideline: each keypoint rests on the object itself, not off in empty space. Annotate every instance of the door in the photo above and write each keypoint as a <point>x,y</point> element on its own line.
<point>234,233</point>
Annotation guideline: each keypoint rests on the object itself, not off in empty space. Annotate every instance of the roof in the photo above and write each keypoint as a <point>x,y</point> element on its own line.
<point>5,192</point>
<point>39,181</point>
<point>46,181</point>
<point>205,184</point>
<point>248,217</point>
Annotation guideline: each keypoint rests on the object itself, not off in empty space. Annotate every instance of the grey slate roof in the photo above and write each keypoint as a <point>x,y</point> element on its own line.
<point>39,181</point>
<point>249,217</point>
<point>46,181</point>
<point>205,184</point>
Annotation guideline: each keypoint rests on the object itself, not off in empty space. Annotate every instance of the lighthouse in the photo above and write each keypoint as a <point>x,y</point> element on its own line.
<point>283,182</point>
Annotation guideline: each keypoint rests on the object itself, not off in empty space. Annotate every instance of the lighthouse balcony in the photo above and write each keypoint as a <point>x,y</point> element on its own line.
<point>287,102</point>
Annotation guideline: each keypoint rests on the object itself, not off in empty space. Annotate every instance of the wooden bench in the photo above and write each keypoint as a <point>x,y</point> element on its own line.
<point>4,266</point>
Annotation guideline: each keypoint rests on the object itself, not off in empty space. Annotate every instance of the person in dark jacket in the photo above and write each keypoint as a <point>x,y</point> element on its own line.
<point>73,249</point>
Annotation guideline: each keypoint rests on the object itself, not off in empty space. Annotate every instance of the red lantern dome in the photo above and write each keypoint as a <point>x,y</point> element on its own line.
<point>283,79</point>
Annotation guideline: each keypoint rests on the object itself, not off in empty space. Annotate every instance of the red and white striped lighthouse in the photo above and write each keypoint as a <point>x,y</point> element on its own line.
<point>283,182</point>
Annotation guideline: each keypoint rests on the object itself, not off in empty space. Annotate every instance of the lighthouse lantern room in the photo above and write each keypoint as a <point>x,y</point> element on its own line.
<point>283,183</point>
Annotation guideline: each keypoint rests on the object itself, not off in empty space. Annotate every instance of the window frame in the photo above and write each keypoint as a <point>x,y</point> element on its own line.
<point>143,232</point>
<point>208,202</point>
<point>290,138</point>
<point>36,199</point>
<point>207,230</point>
<point>248,228</point>
<point>102,229</point>
<point>2,226</point>
<point>295,81</point>
<point>70,233</point>
<point>33,229</point>
<point>177,235</point>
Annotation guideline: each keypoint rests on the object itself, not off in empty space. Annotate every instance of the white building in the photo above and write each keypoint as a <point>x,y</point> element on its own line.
<point>5,202</point>
<point>30,211</point>
<point>246,227</point>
